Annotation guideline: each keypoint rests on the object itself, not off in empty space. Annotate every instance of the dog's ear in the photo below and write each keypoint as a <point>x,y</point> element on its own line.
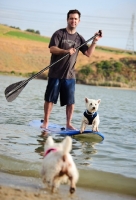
<point>49,141</point>
<point>67,145</point>
<point>86,99</point>
<point>99,100</point>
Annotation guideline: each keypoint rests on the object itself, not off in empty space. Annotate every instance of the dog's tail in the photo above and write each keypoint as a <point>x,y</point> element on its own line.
<point>67,145</point>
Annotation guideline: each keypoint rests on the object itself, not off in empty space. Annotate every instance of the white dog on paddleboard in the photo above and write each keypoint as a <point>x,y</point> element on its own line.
<point>58,166</point>
<point>90,116</point>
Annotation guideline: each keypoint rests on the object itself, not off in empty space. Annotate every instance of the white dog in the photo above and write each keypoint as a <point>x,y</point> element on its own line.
<point>90,116</point>
<point>58,166</point>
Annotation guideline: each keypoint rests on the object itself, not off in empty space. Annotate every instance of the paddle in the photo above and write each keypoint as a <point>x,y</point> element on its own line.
<point>13,90</point>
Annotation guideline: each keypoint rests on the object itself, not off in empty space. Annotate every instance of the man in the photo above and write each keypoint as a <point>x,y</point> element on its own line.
<point>62,74</point>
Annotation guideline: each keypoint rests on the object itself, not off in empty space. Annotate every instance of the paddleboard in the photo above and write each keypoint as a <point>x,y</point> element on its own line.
<point>57,129</point>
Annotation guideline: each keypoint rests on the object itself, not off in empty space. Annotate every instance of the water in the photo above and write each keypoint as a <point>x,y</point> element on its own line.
<point>115,157</point>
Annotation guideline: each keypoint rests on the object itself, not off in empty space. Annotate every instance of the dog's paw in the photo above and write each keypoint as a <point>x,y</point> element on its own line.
<point>81,131</point>
<point>54,189</point>
<point>95,130</point>
<point>72,190</point>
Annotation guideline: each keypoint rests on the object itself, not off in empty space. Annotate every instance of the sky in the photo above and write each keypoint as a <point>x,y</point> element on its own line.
<point>113,17</point>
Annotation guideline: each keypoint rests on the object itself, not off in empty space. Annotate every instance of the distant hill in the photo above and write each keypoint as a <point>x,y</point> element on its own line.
<point>25,53</point>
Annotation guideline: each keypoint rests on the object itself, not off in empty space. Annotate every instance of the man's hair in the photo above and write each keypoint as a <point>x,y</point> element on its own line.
<point>73,12</point>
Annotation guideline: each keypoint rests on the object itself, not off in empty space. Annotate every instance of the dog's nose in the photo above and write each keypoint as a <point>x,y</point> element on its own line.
<point>93,107</point>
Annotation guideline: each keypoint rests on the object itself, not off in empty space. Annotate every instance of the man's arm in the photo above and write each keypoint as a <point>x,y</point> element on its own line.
<point>91,48</point>
<point>56,50</point>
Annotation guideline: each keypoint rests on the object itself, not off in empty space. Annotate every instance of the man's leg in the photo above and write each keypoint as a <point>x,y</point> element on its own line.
<point>69,113</point>
<point>47,111</point>
<point>50,97</point>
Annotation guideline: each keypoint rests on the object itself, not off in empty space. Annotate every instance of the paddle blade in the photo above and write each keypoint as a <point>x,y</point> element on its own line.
<point>13,90</point>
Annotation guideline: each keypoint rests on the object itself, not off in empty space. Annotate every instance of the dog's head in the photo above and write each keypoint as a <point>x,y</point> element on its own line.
<point>92,104</point>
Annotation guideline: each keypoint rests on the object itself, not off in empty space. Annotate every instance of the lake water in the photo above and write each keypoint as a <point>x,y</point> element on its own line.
<point>99,163</point>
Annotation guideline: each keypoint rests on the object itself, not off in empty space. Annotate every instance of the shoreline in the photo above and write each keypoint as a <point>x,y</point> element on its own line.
<point>108,87</point>
<point>29,188</point>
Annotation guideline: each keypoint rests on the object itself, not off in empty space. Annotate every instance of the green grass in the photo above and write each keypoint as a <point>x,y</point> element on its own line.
<point>114,50</point>
<point>28,36</point>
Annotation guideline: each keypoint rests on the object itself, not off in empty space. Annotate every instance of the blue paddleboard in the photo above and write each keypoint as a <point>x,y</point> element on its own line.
<point>57,129</point>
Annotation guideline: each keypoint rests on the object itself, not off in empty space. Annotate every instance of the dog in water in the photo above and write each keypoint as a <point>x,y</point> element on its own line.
<point>90,116</point>
<point>58,166</point>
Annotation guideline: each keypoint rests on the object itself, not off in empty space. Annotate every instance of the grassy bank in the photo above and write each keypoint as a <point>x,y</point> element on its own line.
<point>23,53</point>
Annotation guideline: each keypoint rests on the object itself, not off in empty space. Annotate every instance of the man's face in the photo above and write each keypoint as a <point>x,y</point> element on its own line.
<point>73,20</point>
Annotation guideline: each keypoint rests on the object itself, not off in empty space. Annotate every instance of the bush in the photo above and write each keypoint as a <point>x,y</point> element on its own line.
<point>86,70</point>
<point>14,27</point>
<point>37,32</point>
<point>33,31</point>
<point>108,67</point>
<point>117,67</point>
<point>32,74</point>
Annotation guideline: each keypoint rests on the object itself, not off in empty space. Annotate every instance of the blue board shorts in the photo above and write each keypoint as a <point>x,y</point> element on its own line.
<point>64,87</point>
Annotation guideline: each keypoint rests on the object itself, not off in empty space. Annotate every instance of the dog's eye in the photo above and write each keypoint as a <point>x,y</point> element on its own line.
<point>90,104</point>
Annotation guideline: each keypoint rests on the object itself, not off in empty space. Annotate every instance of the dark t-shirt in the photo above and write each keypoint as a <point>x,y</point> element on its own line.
<point>65,67</point>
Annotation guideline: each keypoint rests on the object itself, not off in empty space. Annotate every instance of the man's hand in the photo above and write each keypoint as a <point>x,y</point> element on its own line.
<point>71,51</point>
<point>99,35</point>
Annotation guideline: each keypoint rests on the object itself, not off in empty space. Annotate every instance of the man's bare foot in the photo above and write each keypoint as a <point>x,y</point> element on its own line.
<point>44,125</point>
<point>70,127</point>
